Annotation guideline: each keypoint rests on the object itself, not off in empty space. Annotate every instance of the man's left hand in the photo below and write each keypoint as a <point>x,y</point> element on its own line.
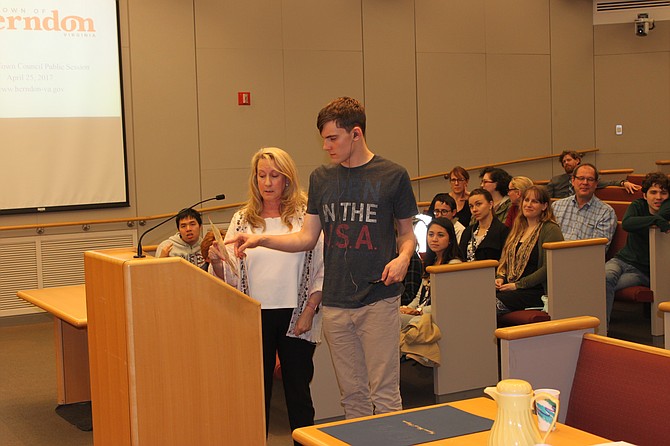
<point>631,188</point>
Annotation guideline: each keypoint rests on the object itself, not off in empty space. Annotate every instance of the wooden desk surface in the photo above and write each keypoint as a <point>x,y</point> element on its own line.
<point>485,407</point>
<point>65,302</point>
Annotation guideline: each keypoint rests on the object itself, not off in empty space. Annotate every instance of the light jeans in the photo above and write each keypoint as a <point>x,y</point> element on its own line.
<point>365,349</point>
<point>620,275</point>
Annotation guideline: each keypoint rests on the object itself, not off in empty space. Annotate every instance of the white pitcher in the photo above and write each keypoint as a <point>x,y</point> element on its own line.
<point>514,424</point>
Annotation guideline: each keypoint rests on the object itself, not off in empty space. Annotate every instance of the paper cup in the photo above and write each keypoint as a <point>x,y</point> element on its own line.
<point>546,409</point>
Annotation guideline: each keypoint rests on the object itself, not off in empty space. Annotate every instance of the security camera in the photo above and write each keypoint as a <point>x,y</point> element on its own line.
<point>643,24</point>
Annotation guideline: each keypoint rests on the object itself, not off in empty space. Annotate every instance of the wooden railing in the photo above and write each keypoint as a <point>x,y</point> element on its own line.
<point>502,163</point>
<point>615,171</point>
<point>129,220</point>
<point>422,204</point>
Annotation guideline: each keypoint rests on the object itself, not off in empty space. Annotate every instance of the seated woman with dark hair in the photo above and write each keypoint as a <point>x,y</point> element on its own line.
<point>522,273</point>
<point>496,181</point>
<point>441,249</point>
<point>485,238</point>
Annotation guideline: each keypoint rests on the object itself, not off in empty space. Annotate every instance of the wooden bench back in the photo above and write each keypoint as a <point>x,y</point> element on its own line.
<point>616,193</point>
<point>620,391</point>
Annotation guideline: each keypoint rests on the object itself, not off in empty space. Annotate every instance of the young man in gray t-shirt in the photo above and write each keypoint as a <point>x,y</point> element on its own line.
<point>358,201</point>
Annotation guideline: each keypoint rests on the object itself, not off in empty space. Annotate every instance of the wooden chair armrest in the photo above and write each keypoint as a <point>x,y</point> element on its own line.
<point>465,266</point>
<point>575,243</point>
<point>545,328</point>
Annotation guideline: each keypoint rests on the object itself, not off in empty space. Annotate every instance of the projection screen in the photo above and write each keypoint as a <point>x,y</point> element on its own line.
<point>61,118</point>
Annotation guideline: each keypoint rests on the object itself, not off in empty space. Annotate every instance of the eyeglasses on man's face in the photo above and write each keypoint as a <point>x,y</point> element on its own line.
<point>442,212</point>
<point>589,180</point>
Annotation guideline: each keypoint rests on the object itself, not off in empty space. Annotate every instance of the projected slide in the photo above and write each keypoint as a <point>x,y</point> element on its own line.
<point>60,106</point>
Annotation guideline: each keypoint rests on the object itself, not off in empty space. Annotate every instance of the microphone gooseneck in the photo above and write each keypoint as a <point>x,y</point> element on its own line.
<point>140,253</point>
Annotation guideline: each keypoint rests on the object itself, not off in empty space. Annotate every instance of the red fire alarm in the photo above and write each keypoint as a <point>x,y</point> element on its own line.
<point>244,98</point>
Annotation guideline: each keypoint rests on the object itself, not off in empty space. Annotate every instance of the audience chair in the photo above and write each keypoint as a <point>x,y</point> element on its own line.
<point>659,289</point>
<point>463,307</point>
<point>664,307</point>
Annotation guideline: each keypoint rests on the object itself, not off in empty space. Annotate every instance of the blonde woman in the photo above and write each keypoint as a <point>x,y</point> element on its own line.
<point>516,189</point>
<point>522,273</point>
<point>288,285</point>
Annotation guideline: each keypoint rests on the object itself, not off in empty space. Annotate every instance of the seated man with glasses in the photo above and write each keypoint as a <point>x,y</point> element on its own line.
<point>560,186</point>
<point>443,205</point>
<point>583,215</point>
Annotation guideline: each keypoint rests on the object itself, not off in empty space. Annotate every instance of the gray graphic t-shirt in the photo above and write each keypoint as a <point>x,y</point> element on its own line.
<point>357,207</point>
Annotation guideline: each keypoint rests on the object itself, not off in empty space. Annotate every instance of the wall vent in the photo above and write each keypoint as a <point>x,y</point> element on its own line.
<point>48,261</point>
<point>616,11</point>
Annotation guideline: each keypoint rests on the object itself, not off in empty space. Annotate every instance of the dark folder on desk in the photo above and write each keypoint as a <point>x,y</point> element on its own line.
<point>410,428</point>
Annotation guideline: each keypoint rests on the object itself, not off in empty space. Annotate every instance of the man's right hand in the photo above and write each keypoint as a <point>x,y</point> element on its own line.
<point>165,252</point>
<point>244,241</point>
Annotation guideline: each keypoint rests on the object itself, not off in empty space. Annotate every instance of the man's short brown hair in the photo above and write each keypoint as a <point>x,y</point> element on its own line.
<point>574,155</point>
<point>346,112</point>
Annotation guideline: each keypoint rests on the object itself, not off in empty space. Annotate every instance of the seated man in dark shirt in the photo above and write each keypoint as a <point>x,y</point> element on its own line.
<point>630,266</point>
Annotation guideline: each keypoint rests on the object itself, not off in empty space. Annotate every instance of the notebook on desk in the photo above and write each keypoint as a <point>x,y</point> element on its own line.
<point>410,428</point>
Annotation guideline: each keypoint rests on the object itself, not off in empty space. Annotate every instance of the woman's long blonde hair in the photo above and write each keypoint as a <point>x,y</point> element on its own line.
<point>521,222</point>
<point>293,199</point>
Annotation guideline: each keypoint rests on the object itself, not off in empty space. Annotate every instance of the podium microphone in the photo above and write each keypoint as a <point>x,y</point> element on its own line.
<point>140,253</point>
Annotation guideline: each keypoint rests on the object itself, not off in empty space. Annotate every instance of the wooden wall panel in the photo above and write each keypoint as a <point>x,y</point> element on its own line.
<point>165,119</point>
<point>572,88</point>
<point>633,90</point>
<point>451,100</point>
<point>518,27</point>
<point>251,24</point>
<point>455,26</point>
<point>329,26</point>
<point>519,106</point>
<point>390,81</point>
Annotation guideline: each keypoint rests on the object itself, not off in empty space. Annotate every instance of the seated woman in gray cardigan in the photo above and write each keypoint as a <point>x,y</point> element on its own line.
<point>522,273</point>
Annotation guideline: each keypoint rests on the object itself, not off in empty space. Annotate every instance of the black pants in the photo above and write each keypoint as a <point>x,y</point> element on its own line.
<point>297,368</point>
<point>521,299</point>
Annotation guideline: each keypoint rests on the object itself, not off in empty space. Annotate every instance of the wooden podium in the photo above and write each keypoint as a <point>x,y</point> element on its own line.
<point>175,354</point>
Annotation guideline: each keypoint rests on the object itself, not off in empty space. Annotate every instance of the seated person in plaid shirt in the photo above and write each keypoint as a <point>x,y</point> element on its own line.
<point>412,279</point>
<point>583,215</point>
